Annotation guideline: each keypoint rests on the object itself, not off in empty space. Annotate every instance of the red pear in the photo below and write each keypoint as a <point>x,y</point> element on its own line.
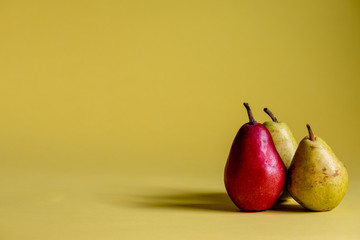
<point>254,172</point>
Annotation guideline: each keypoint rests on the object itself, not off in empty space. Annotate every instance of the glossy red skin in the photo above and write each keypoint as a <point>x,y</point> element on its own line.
<point>254,172</point>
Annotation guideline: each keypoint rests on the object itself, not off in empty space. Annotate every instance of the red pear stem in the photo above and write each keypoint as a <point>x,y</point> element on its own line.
<point>311,134</point>
<point>251,117</point>
<point>271,115</point>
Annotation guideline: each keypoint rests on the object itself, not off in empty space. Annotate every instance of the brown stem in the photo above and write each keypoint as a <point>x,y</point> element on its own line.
<point>251,117</point>
<point>311,134</point>
<point>270,114</point>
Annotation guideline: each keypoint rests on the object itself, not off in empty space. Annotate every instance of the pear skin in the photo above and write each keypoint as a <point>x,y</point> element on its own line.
<point>284,141</point>
<point>317,179</point>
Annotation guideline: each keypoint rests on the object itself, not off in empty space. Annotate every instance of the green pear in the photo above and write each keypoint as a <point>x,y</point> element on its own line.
<point>284,141</point>
<point>317,180</point>
<point>283,138</point>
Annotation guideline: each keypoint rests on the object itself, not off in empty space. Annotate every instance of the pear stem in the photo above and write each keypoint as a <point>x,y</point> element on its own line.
<point>271,115</point>
<point>251,117</point>
<point>311,134</point>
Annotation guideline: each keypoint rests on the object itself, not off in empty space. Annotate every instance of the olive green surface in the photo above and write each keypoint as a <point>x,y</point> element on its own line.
<point>117,117</point>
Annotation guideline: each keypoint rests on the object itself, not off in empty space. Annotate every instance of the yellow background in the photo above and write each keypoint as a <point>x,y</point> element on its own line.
<point>116,117</point>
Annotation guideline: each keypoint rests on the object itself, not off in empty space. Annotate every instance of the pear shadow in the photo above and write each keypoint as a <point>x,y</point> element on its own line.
<point>205,201</point>
<point>208,201</point>
<point>288,206</point>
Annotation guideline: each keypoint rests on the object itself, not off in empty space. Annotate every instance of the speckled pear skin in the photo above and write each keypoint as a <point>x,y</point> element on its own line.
<point>317,180</point>
<point>284,140</point>
<point>285,144</point>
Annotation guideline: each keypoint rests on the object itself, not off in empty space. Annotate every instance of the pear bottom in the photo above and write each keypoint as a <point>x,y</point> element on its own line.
<point>319,198</point>
<point>317,206</point>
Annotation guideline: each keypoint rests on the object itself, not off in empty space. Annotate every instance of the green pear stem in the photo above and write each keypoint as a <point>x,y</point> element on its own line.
<point>270,114</point>
<point>251,117</point>
<point>311,134</point>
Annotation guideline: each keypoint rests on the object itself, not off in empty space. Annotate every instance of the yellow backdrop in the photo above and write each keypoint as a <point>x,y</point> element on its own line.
<point>117,116</point>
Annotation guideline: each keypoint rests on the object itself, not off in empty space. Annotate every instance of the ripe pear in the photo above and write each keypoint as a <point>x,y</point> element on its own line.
<point>284,141</point>
<point>283,138</point>
<point>317,180</point>
<point>254,173</point>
